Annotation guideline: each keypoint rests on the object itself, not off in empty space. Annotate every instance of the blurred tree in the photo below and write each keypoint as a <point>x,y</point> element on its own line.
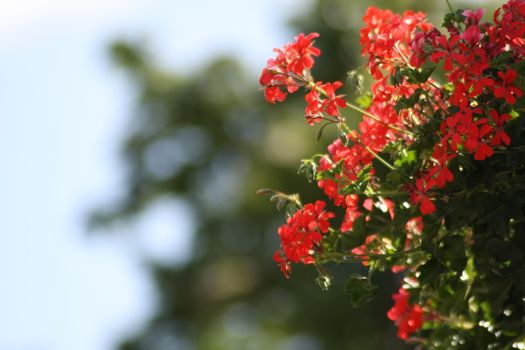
<point>211,141</point>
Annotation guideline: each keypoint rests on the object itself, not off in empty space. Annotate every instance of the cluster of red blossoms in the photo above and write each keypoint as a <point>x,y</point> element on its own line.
<point>290,69</point>
<point>472,109</point>
<point>301,234</point>
<point>475,121</point>
<point>408,318</point>
<point>285,73</point>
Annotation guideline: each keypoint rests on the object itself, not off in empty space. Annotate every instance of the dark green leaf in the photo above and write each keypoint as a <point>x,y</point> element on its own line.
<point>360,290</point>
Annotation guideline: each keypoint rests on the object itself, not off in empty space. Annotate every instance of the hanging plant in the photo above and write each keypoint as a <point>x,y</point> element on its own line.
<point>431,184</point>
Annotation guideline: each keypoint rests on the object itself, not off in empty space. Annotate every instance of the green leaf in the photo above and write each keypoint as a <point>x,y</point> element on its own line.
<point>360,290</point>
<point>408,102</point>
<point>519,67</point>
<point>397,77</point>
<point>364,101</point>
<point>381,170</point>
<point>320,131</point>
<point>378,221</point>
<point>357,236</point>
<point>430,271</point>
<point>308,167</point>
<point>425,74</point>
<point>452,252</point>
<point>452,17</point>
<point>407,158</point>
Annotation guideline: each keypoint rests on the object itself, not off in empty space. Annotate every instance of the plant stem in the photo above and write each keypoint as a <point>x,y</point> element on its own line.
<point>385,163</point>
<point>341,257</point>
<point>373,117</point>
<point>360,110</point>
<point>369,150</point>
<point>449,6</point>
<point>405,59</point>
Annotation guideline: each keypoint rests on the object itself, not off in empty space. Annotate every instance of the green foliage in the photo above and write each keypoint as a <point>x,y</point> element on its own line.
<point>360,290</point>
<point>444,199</point>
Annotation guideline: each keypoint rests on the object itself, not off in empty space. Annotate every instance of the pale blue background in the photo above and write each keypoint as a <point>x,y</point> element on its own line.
<point>63,111</point>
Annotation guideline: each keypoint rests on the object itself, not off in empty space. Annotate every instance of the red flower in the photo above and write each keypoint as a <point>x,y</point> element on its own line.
<point>386,38</point>
<point>333,102</point>
<point>330,188</point>
<point>500,136</point>
<point>274,94</point>
<point>473,17</point>
<point>408,318</point>
<point>427,207</point>
<point>352,212</point>
<point>284,265</point>
<point>483,151</point>
<point>299,54</point>
<point>445,48</point>
<point>301,235</point>
<point>472,35</point>
<point>362,251</point>
<point>314,109</point>
<point>322,98</point>
<point>462,95</point>
<point>286,71</point>
<point>418,195</point>
<point>505,89</point>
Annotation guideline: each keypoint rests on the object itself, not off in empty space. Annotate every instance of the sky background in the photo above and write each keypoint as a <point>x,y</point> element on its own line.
<point>63,113</point>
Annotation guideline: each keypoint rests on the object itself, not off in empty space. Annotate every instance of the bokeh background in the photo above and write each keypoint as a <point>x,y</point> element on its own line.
<point>133,138</point>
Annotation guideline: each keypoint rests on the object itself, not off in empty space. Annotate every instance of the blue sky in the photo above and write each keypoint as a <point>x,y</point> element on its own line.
<point>63,111</point>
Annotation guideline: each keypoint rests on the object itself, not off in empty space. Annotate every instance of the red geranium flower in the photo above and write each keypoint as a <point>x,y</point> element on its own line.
<point>506,89</point>
<point>301,235</point>
<point>408,318</point>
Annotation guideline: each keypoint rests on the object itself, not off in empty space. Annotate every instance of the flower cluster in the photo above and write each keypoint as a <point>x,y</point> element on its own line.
<point>418,183</point>
<point>475,120</point>
<point>286,72</point>
<point>408,318</point>
<point>317,105</point>
<point>301,235</point>
<point>386,39</point>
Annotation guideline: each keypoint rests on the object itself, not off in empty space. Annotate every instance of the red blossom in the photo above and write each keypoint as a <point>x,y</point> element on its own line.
<point>472,35</point>
<point>301,234</point>
<point>332,102</point>
<point>284,265</point>
<point>331,190</point>
<point>314,110</point>
<point>418,195</point>
<point>505,89</point>
<point>408,318</point>
<point>444,48</point>
<point>500,136</point>
<point>483,151</point>
<point>426,207</point>
<point>473,16</point>
<point>361,251</point>
<point>274,94</point>
<point>287,71</point>
<point>352,212</point>
<point>299,54</point>
<point>322,98</point>
<point>386,38</point>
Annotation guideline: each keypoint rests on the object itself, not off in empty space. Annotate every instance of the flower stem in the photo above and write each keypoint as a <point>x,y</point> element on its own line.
<point>371,116</point>
<point>449,6</point>
<point>360,110</point>
<point>369,150</point>
<point>337,257</point>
